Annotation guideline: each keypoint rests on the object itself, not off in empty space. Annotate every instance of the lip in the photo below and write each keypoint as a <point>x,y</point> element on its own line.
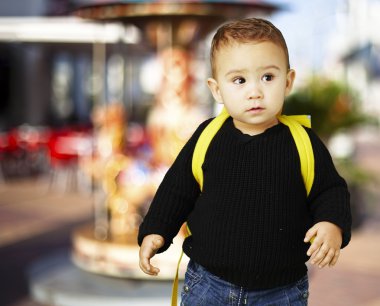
<point>255,110</point>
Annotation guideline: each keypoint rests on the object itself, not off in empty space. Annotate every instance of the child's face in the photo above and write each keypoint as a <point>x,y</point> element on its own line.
<point>252,81</point>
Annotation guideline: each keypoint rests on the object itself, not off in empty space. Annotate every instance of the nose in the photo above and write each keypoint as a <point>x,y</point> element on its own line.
<point>254,91</point>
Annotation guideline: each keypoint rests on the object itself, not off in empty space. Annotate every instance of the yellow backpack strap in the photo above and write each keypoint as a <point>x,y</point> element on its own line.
<point>300,136</point>
<point>304,147</point>
<point>203,143</point>
<point>303,144</point>
<point>175,282</point>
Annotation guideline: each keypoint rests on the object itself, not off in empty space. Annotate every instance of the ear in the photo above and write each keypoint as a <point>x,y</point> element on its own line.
<point>214,88</point>
<point>290,77</point>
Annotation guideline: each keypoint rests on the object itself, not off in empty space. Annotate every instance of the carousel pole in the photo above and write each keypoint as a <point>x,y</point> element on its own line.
<point>98,77</point>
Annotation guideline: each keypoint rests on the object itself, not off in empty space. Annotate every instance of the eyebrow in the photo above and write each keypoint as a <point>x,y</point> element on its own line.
<point>237,71</point>
<point>270,67</point>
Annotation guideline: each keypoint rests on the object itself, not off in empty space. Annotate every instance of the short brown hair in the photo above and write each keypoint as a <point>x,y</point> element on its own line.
<point>245,31</point>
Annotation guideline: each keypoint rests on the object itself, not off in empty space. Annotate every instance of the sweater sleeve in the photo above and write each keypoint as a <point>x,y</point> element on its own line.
<point>175,197</point>
<point>329,198</point>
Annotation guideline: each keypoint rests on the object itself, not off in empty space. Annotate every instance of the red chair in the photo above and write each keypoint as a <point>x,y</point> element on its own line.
<point>66,147</point>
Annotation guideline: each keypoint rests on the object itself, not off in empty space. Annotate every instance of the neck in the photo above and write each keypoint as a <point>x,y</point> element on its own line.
<point>254,129</point>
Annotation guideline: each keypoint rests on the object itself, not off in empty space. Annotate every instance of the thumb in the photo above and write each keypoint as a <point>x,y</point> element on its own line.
<point>310,234</point>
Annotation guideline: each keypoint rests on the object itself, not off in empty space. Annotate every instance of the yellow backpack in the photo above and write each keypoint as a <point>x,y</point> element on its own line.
<point>300,136</point>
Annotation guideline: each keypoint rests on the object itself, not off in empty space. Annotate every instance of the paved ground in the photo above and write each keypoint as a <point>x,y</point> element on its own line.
<point>36,220</point>
<point>355,281</point>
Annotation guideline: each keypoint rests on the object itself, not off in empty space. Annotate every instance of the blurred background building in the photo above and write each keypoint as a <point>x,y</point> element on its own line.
<point>356,50</point>
<point>96,100</point>
<point>47,64</point>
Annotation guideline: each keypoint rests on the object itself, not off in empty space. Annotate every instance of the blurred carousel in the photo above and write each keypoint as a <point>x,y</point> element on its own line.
<point>173,29</point>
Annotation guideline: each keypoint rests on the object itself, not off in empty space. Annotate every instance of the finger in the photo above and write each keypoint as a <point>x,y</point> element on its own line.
<point>154,270</point>
<point>143,268</point>
<point>310,234</point>
<point>145,265</point>
<point>312,257</point>
<point>327,259</point>
<point>147,268</point>
<point>320,255</point>
<point>314,247</point>
<point>145,254</point>
<point>313,254</point>
<point>335,258</point>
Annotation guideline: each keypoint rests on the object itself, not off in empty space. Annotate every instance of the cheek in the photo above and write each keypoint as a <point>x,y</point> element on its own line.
<point>227,93</point>
<point>280,90</point>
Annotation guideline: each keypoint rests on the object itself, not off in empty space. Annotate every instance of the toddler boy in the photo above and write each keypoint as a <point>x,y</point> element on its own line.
<point>252,223</point>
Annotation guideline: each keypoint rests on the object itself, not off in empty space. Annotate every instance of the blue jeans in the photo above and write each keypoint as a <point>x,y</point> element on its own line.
<point>205,289</point>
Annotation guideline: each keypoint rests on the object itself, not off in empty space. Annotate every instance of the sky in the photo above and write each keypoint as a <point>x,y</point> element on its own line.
<point>308,26</point>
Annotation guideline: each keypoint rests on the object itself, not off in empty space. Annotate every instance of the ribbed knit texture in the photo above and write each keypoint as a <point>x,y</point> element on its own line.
<point>249,222</point>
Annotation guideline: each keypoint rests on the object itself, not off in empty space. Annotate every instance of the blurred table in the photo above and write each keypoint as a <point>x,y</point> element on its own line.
<point>54,280</point>
<point>121,259</point>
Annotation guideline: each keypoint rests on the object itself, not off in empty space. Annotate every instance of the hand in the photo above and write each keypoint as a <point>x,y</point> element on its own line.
<point>326,240</point>
<point>149,247</point>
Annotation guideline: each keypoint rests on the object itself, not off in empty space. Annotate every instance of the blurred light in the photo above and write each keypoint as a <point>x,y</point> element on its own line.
<point>151,76</point>
<point>341,146</point>
<point>65,30</point>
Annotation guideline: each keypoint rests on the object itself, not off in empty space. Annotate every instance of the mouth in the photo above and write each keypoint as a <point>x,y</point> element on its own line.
<point>255,110</point>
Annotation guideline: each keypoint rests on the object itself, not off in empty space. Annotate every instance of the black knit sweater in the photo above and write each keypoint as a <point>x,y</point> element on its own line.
<point>249,222</point>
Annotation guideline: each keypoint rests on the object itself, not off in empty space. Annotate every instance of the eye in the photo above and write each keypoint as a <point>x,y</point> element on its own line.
<point>238,80</point>
<point>267,77</point>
